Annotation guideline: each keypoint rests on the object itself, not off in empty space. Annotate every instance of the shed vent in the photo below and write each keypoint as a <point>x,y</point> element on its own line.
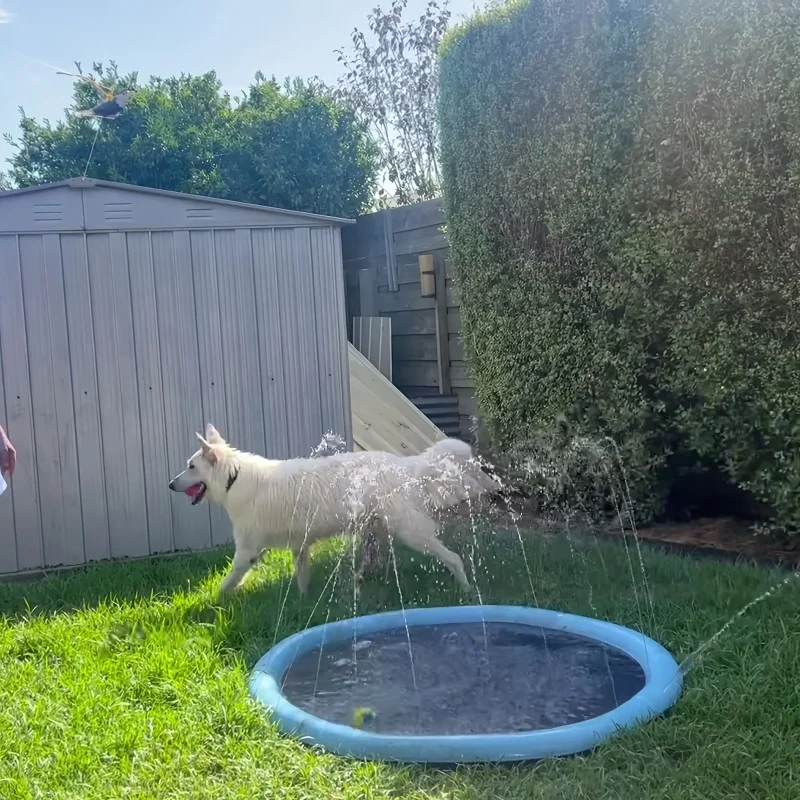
<point>199,213</point>
<point>116,212</point>
<point>48,212</point>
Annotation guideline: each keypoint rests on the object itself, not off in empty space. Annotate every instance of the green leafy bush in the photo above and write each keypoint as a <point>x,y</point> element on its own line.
<point>292,147</point>
<point>622,187</point>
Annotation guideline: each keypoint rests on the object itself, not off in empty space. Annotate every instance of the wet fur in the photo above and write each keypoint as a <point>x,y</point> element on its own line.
<point>295,503</point>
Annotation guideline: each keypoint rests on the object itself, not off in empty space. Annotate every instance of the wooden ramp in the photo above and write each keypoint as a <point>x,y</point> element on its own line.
<point>383,417</point>
<point>372,337</point>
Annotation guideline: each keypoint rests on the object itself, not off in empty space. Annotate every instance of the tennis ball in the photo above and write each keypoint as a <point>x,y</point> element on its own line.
<point>362,715</point>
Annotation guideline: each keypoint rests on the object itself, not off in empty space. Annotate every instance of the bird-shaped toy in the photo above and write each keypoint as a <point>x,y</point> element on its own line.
<point>110,105</point>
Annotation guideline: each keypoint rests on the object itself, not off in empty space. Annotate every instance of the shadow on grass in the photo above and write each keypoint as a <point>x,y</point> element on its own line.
<point>115,582</point>
<point>176,590</point>
<point>567,573</point>
<point>268,588</point>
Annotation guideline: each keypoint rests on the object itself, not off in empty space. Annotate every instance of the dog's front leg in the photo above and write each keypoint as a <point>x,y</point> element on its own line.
<point>243,559</point>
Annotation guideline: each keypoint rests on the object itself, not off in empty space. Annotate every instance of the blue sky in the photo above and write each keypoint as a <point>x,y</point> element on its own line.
<point>166,37</point>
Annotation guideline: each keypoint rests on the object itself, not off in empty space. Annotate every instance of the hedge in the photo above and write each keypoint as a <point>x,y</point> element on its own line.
<point>622,189</point>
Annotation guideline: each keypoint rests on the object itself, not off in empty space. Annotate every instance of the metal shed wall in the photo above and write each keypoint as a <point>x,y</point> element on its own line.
<point>122,332</point>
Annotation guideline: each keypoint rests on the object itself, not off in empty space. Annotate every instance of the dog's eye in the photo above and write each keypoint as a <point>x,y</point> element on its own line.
<point>191,466</point>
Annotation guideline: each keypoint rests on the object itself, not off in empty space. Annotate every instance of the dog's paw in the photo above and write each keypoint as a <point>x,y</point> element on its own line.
<point>227,588</point>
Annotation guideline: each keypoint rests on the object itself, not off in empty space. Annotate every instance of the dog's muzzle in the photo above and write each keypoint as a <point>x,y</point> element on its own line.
<point>196,491</point>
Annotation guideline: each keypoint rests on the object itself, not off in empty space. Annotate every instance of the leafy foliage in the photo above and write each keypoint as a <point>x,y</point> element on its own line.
<point>292,147</point>
<point>621,181</point>
<point>393,85</point>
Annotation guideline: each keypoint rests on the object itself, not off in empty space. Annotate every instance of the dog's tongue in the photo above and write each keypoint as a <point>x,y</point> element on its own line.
<point>194,490</point>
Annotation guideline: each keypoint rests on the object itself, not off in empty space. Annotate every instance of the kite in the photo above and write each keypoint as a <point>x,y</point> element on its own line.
<point>110,105</point>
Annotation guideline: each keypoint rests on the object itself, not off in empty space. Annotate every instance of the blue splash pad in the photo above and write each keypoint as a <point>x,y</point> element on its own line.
<point>402,728</point>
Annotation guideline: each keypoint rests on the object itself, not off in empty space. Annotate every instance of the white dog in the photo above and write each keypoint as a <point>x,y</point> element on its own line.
<point>294,503</point>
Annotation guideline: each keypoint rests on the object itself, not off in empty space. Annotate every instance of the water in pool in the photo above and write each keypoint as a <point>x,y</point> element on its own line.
<point>470,680</point>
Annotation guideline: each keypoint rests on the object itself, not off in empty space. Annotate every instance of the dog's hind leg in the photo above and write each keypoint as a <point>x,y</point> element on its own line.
<point>302,569</point>
<point>418,531</point>
<point>243,559</point>
<point>371,536</point>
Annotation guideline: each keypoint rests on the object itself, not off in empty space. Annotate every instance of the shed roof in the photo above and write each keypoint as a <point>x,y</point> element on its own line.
<point>107,205</point>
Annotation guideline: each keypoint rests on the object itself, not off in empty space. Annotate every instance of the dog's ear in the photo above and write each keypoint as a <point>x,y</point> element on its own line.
<point>207,450</point>
<point>212,435</point>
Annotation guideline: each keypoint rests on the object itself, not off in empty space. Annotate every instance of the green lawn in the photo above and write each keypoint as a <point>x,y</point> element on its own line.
<point>126,680</point>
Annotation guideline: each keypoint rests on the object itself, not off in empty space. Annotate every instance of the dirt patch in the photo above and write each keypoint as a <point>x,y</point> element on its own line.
<point>725,536</point>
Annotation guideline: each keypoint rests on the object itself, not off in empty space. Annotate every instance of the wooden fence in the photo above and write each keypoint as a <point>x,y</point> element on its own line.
<point>381,262</point>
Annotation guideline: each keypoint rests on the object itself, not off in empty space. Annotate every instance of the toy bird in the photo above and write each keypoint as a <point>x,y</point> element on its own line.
<point>110,105</point>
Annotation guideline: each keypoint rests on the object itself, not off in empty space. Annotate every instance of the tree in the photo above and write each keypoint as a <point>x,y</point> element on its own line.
<point>393,86</point>
<point>292,147</point>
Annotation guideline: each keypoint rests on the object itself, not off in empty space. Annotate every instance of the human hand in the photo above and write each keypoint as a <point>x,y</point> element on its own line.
<point>8,457</point>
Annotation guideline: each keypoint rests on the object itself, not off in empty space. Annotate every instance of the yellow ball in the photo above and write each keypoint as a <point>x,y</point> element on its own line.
<point>362,715</point>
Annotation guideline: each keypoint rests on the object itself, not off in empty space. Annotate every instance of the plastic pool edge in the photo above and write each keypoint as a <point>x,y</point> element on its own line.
<point>663,685</point>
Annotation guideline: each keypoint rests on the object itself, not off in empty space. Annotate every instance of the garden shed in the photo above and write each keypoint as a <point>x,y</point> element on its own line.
<point>128,318</point>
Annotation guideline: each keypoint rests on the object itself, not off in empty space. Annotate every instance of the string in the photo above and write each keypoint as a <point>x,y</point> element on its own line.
<point>88,160</point>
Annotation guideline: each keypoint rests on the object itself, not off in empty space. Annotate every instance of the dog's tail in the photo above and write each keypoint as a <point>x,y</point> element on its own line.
<point>453,448</point>
<point>455,475</point>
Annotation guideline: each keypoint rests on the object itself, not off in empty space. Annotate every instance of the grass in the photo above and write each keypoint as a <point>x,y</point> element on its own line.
<point>127,680</point>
